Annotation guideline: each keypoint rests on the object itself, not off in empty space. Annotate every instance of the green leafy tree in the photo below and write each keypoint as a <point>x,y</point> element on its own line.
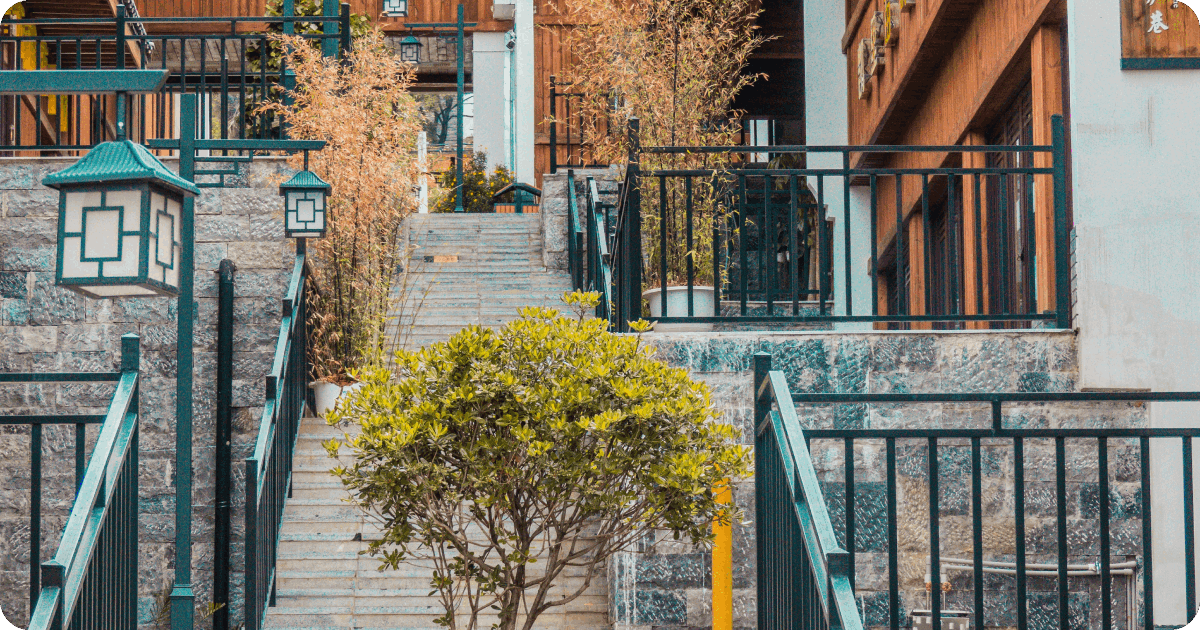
<point>510,456</point>
<point>478,188</point>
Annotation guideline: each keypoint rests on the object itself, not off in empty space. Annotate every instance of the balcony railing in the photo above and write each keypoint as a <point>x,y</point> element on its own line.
<point>1022,510</point>
<point>231,62</point>
<point>983,238</point>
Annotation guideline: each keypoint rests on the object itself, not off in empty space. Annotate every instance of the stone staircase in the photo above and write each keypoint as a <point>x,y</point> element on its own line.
<point>324,584</point>
<point>473,269</point>
<point>465,269</point>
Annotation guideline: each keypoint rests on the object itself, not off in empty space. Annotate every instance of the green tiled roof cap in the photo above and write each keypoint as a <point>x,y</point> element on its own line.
<point>120,161</point>
<point>304,179</point>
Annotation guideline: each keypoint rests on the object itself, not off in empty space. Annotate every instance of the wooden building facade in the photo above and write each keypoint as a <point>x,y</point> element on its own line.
<point>950,72</point>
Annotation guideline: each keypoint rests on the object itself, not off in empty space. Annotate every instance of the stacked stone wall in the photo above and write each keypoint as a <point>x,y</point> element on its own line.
<point>44,328</point>
<point>668,583</point>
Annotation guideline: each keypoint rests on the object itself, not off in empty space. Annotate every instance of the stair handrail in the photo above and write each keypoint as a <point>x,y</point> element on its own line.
<point>574,234</point>
<point>269,467</point>
<point>803,574</point>
<point>94,573</point>
<point>599,277</point>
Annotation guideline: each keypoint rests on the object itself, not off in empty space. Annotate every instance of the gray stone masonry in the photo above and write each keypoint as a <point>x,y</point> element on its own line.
<point>44,328</point>
<point>669,585</point>
<point>555,205</point>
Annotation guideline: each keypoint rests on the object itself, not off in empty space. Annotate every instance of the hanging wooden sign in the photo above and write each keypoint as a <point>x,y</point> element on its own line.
<point>1159,34</point>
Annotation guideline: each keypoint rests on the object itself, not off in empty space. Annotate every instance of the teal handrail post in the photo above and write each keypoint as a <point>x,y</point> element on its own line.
<point>329,45</point>
<point>182,595</point>
<point>632,245</point>
<point>458,163</point>
<point>1062,243</point>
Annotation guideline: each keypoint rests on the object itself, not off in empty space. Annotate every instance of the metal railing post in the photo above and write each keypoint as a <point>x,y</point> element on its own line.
<point>329,28</point>
<point>1062,247</point>
<point>632,240</point>
<point>120,28</point>
<point>344,31</point>
<point>224,435</point>
<point>553,126</point>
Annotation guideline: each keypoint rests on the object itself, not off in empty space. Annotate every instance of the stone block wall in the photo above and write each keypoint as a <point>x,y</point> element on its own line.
<point>44,328</point>
<point>555,206</point>
<point>668,584</point>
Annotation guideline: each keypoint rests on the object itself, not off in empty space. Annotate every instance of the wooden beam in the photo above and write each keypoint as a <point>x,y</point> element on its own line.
<point>1046,70</point>
<point>853,21</point>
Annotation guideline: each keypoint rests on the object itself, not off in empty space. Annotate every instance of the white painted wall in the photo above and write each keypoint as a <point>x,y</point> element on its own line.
<point>489,77</point>
<point>827,123</point>
<point>1136,159</point>
<point>523,27</point>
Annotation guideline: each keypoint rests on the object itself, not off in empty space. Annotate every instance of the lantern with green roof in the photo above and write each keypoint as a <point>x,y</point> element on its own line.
<point>120,216</point>
<point>304,205</point>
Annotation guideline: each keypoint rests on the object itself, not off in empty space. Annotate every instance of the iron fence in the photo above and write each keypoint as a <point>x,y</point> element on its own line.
<point>269,468</point>
<point>91,582</point>
<point>575,148</point>
<point>953,246</point>
<point>232,63</point>
<point>588,242</point>
<point>804,575</point>
<point>1025,510</point>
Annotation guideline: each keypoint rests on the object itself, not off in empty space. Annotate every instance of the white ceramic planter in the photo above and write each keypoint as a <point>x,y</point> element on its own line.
<point>327,395</point>
<point>677,306</point>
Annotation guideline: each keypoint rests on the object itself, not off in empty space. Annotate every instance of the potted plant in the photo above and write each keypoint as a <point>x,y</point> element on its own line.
<point>362,108</point>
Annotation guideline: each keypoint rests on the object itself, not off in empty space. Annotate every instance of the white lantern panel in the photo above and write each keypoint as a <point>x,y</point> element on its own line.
<point>131,200</point>
<point>75,203</point>
<point>122,290</point>
<point>102,233</point>
<point>73,265</point>
<point>305,213</point>
<point>127,266</point>
<point>175,210</point>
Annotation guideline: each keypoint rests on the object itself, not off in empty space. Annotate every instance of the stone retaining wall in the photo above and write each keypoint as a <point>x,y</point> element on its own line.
<point>44,328</point>
<point>669,584</point>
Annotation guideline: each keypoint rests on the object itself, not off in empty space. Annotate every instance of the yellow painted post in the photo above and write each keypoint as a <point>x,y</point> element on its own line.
<point>722,563</point>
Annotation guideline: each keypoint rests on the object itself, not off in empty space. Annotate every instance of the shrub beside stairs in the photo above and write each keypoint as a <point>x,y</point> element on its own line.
<point>472,269</point>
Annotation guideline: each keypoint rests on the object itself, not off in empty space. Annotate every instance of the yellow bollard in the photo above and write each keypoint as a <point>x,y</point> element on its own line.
<point>722,563</point>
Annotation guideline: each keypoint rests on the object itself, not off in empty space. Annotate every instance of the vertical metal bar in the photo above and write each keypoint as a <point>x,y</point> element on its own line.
<point>935,558</point>
<point>460,187</point>
<point>553,126</point>
<point>874,243</point>
<point>1148,541</point>
<point>1062,254</point>
<point>927,247</point>
<point>1189,528</point>
<point>893,543</point>
<point>344,33</point>
<point>825,261</point>
<point>764,455</point>
<point>793,246</point>
<point>851,530</point>
<point>1003,253</point>
<point>742,254</point>
<point>766,246</point>
<point>1060,469</point>
<point>1019,517</point>
<point>1031,262</point>
<point>846,232</point>
<point>120,29</point>
<point>717,246</point>
<point>978,247</point>
<point>1105,552</point>
<point>953,275</point>
<point>35,514</point>
<point>632,239</point>
<point>977,528</point>
<point>901,255</point>
<point>691,257</point>
<point>223,447</point>
<point>662,244</point>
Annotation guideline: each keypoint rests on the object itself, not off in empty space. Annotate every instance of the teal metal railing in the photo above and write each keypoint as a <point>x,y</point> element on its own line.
<point>91,582</point>
<point>1051,496</point>
<point>804,577</point>
<point>588,242</point>
<point>230,61</point>
<point>269,467</point>
<point>991,242</point>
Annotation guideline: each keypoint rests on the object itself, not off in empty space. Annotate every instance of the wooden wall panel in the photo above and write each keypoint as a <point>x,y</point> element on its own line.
<point>1046,54</point>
